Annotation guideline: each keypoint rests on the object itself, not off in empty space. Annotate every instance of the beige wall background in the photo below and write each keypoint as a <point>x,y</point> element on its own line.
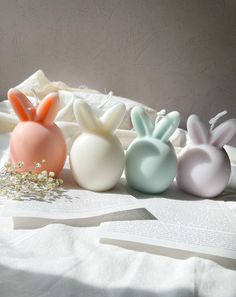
<point>169,54</point>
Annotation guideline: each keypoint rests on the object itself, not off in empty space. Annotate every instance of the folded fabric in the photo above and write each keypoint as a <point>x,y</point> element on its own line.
<point>65,119</point>
<point>60,260</point>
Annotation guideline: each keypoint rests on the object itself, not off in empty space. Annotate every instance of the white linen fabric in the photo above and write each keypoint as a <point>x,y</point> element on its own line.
<point>66,119</point>
<point>59,260</point>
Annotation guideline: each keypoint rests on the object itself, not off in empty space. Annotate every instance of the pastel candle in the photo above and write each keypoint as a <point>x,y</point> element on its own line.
<point>151,162</point>
<point>36,137</point>
<point>204,167</point>
<point>97,157</point>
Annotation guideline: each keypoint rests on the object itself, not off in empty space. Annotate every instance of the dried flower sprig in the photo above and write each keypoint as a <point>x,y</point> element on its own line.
<point>17,183</point>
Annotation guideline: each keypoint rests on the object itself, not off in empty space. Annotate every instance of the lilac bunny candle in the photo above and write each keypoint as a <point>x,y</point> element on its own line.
<point>204,167</point>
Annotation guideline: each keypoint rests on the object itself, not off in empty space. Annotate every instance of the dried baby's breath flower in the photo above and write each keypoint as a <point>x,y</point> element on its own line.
<point>51,174</point>
<point>60,181</point>
<point>20,164</point>
<point>7,165</point>
<point>40,177</point>
<point>37,165</point>
<point>27,184</point>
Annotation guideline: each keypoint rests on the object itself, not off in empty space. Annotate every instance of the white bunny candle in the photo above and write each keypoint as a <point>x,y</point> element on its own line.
<point>37,137</point>
<point>151,162</point>
<point>204,166</point>
<point>97,157</point>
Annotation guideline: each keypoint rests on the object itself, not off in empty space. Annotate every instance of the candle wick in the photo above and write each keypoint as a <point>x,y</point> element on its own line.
<point>36,97</point>
<point>160,115</point>
<point>214,120</point>
<point>108,99</point>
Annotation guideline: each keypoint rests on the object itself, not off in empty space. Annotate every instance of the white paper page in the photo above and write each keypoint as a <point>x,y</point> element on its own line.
<point>230,195</point>
<point>77,204</point>
<point>124,215</point>
<point>73,202</point>
<point>184,222</point>
<point>222,244</point>
<point>179,208</point>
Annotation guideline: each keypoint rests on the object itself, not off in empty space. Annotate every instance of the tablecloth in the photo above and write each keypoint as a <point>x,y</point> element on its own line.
<point>59,260</point>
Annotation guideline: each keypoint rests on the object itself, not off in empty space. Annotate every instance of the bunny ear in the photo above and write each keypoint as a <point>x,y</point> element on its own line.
<point>113,117</point>
<point>21,104</point>
<point>141,122</point>
<point>223,133</point>
<point>197,130</point>
<point>85,116</point>
<point>48,109</point>
<point>167,126</point>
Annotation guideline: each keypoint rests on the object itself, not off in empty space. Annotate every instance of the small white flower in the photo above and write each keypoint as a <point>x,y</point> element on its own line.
<point>20,164</point>
<point>37,165</point>
<point>16,185</point>
<point>51,174</point>
<point>50,180</point>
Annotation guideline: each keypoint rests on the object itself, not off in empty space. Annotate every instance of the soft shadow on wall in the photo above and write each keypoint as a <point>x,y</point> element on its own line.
<point>169,54</point>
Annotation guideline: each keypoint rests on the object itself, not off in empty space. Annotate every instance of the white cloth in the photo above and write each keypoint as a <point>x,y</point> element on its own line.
<point>60,260</point>
<point>66,119</point>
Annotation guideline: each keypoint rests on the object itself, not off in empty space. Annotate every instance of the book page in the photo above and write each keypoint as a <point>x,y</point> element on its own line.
<point>229,198</point>
<point>124,215</point>
<point>72,202</point>
<point>173,236</point>
<point>179,208</point>
<point>202,226</point>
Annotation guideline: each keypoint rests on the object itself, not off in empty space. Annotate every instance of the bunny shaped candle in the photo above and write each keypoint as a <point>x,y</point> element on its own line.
<point>37,137</point>
<point>151,162</point>
<point>204,166</point>
<point>97,157</point>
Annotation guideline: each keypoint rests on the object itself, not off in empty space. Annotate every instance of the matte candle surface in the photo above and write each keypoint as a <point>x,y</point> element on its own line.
<point>97,157</point>
<point>151,162</point>
<point>204,166</point>
<point>37,137</point>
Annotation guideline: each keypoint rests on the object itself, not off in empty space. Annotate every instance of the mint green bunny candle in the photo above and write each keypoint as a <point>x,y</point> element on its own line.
<point>151,162</point>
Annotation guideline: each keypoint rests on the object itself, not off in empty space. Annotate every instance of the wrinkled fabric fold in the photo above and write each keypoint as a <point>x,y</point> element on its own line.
<point>65,119</point>
<point>59,260</point>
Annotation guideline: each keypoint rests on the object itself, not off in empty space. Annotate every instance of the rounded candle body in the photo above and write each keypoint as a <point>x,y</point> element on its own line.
<point>151,162</point>
<point>97,161</point>
<point>203,170</point>
<point>151,165</point>
<point>204,167</point>
<point>32,142</point>
<point>97,157</point>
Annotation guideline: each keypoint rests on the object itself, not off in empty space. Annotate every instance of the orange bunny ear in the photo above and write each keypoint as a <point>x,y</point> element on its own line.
<point>48,109</point>
<point>21,104</point>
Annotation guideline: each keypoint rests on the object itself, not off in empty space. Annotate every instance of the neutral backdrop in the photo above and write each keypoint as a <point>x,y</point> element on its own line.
<point>169,54</point>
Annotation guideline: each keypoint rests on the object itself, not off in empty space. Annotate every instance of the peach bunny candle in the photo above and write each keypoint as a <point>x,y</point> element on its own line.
<point>204,166</point>
<point>97,157</point>
<point>37,138</point>
<point>151,162</point>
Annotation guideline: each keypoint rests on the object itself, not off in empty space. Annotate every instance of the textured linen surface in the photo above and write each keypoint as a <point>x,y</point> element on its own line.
<point>60,260</point>
<point>66,119</point>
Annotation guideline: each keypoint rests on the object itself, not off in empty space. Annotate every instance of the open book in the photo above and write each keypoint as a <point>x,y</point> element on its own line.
<point>185,226</point>
<point>75,206</point>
